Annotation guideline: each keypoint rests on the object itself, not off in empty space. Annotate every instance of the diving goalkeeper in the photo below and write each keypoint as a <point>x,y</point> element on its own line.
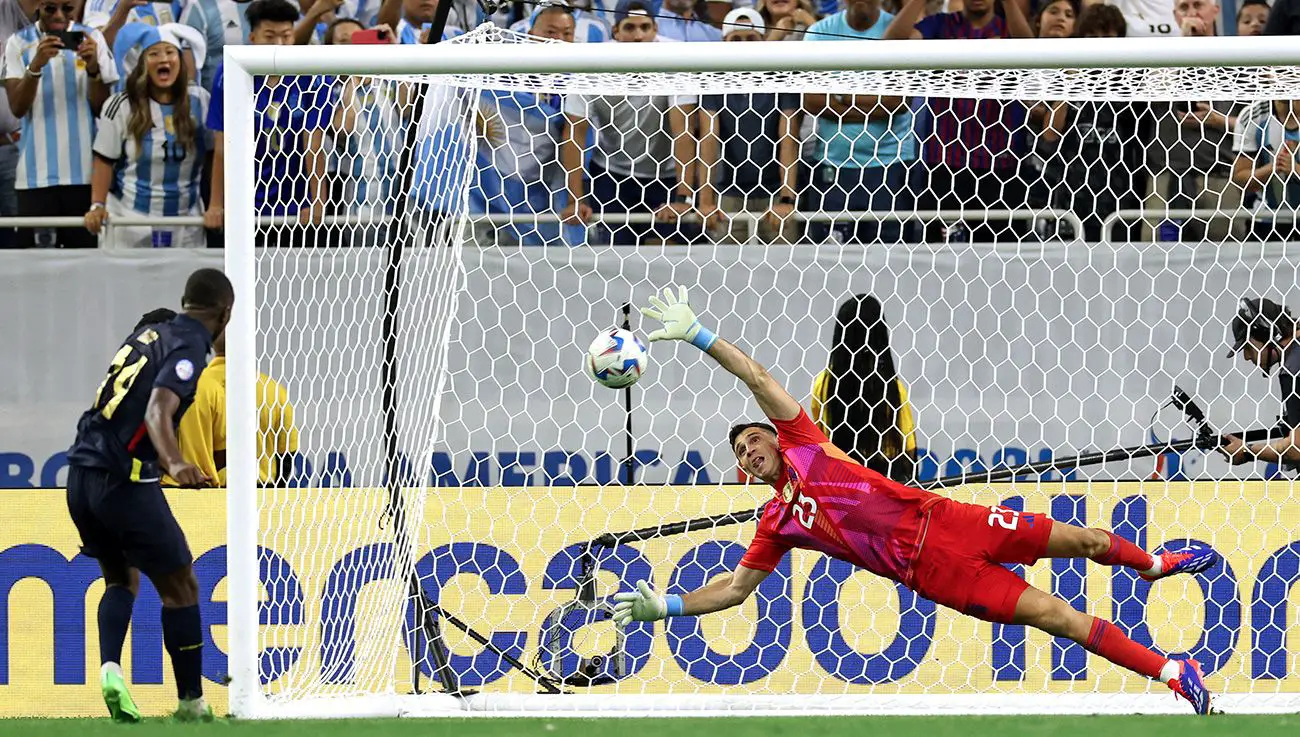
<point>947,551</point>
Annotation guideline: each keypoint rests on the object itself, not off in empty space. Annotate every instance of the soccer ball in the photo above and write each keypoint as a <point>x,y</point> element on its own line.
<point>616,358</point>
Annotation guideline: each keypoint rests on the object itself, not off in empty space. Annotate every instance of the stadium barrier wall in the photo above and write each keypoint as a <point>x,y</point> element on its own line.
<point>824,627</point>
<point>1079,355</point>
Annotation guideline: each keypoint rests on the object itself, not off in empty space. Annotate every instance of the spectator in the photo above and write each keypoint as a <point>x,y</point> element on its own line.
<point>749,149</point>
<point>1191,158</point>
<point>973,149</point>
<point>638,161</point>
<point>413,18</point>
<point>1252,17</point>
<point>588,27</point>
<point>1101,21</point>
<point>108,16</point>
<point>150,145</point>
<point>859,400</point>
<point>290,117</point>
<point>686,20</point>
<point>222,23</point>
<point>1266,139</point>
<point>866,142</point>
<point>14,16</point>
<point>56,92</point>
<point>1145,18</point>
<point>1283,19</point>
<point>202,431</point>
<point>1197,17</point>
<point>1055,19</point>
<point>786,20</point>
<point>518,169</point>
<point>317,16</point>
<point>1091,156</point>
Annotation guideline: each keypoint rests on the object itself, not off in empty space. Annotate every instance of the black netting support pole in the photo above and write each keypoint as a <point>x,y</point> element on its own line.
<point>403,232</point>
<point>629,461</point>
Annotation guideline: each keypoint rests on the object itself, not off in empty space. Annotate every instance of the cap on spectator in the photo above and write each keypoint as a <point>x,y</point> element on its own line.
<point>733,21</point>
<point>634,7</point>
<point>134,38</point>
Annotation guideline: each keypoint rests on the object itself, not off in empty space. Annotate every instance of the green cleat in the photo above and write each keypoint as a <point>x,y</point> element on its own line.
<point>120,705</point>
<point>193,711</point>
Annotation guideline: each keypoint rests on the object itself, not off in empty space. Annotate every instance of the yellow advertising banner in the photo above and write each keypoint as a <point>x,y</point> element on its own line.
<point>505,560</point>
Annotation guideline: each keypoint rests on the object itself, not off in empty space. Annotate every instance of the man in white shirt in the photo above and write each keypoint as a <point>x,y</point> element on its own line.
<point>15,15</point>
<point>635,167</point>
<point>57,92</point>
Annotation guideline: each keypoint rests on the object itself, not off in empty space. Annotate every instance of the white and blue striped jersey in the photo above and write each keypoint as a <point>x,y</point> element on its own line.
<point>366,154</point>
<point>58,132</point>
<point>409,34</point>
<point>587,27</point>
<point>222,23</point>
<point>1260,135</point>
<point>158,176</point>
<point>99,12</point>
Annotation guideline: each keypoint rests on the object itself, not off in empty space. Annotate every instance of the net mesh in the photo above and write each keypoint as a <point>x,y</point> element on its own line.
<point>1032,258</point>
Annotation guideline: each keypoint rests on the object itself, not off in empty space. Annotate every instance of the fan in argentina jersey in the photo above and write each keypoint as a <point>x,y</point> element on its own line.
<point>151,141</point>
<point>947,551</point>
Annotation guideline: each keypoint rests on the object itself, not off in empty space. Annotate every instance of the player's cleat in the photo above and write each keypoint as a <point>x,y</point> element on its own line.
<point>118,700</point>
<point>1190,684</point>
<point>1192,559</point>
<point>193,711</point>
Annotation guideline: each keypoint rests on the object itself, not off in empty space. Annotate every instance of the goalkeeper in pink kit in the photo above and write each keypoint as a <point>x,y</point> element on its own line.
<point>947,551</point>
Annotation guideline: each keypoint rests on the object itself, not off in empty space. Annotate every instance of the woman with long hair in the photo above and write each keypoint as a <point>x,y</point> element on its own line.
<point>786,20</point>
<point>859,401</point>
<point>151,142</point>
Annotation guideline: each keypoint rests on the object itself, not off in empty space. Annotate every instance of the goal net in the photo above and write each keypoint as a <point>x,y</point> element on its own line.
<point>988,280</point>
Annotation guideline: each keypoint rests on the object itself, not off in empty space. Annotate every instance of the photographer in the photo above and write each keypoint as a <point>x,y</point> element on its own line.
<point>1264,333</point>
<point>57,74</point>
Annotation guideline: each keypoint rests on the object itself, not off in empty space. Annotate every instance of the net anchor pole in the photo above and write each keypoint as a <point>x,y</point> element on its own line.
<point>400,230</point>
<point>629,460</point>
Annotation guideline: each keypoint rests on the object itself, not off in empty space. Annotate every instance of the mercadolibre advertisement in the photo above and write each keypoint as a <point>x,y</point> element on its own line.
<point>502,559</point>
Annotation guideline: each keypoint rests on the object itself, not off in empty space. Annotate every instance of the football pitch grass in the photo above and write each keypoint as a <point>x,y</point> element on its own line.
<point>819,726</point>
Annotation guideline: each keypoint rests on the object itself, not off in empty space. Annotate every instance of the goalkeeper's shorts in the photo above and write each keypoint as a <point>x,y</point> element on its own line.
<point>964,546</point>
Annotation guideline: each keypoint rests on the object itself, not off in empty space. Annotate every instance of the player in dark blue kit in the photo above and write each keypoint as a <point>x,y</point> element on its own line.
<point>124,442</point>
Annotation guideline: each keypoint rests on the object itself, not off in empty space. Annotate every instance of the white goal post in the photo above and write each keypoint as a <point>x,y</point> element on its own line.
<point>284,626</point>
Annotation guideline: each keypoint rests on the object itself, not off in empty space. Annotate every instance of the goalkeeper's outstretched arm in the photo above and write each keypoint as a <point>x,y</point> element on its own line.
<point>680,323</point>
<point>646,605</point>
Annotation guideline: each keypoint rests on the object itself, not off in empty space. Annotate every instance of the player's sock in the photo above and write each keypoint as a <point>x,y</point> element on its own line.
<point>1106,640</point>
<point>1170,671</point>
<point>114,617</point>
<point>183,637</point>
<point>1124,553</point>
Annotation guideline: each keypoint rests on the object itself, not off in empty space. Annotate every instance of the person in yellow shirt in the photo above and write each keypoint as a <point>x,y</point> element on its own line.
<point>202,432</point>
<point>859,401</point>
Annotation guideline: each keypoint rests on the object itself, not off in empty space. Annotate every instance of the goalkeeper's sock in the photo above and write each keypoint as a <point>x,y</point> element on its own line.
<point>183,637</point>
<point>114,617</point>
<point>1124,553</point>
<point>1106,640</point>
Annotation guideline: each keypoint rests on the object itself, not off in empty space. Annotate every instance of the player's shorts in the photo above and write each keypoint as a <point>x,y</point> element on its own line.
<point>962,549</point>
<point>125,522</point>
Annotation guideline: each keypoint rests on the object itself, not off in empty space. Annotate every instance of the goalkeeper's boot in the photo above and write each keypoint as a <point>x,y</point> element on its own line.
<point>1190,684</point>
<point>116,697</point>
<point>1192,559</point>
<point>193,710</point>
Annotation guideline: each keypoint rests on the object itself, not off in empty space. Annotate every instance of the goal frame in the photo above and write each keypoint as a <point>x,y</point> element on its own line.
<point>246,697</point>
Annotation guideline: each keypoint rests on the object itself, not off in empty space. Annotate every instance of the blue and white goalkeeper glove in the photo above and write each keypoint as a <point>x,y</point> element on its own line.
<point>679,320</point>
<point>644,605</point>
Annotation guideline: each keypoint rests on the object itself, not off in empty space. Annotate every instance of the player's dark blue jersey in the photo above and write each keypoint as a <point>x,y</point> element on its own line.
<point>111,434</point>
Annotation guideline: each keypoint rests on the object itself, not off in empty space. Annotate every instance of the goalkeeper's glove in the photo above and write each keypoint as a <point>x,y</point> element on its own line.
<point>679,320</point>
<point>644,605</point>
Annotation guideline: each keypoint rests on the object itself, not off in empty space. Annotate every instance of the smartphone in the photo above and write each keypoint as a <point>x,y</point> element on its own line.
<point>71,39</point>
<point>373,36</point>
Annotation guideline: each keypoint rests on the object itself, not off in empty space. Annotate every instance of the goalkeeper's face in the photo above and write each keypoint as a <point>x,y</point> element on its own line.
<point>758,454</point>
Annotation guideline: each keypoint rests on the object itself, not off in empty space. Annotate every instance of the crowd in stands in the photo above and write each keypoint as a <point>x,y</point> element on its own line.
<point>114,109</point>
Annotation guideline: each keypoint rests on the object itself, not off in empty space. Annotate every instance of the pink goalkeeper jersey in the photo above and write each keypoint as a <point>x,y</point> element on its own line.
<point>830,503</point>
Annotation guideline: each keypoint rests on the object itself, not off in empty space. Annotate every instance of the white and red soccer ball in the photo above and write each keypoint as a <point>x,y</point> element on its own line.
<point>617,358</point>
